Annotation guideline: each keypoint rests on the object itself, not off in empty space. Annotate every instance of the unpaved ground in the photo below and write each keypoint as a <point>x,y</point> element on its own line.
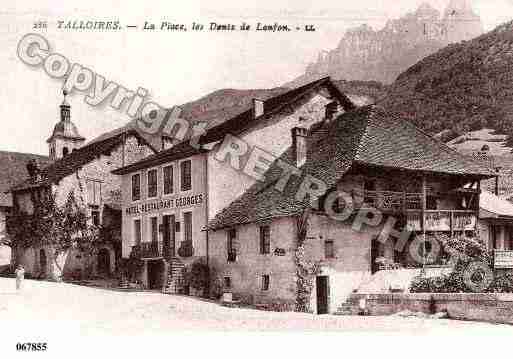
<point>47,307</point>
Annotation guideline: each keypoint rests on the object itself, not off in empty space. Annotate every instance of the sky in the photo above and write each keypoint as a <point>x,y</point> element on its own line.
<point>174,67</point>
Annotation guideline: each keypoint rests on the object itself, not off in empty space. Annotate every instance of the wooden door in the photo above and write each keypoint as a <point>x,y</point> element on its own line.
<point>169,236</point>
<point>322,284</point>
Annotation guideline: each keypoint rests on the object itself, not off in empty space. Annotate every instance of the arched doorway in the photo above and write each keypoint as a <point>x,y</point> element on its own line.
<point>104,262</point>
<point>42,262</point>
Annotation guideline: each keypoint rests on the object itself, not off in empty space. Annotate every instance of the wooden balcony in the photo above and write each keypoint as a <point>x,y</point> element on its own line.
<point>388,201</point>
<point>442,220</point>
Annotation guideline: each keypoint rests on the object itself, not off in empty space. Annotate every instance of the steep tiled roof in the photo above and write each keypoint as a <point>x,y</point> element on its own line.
<point>13,169</point>
<point>240,122</point>
<point>367,136</point>
<point>70,163</point>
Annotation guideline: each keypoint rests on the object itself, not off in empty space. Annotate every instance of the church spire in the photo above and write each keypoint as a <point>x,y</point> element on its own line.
<point>65,108</point>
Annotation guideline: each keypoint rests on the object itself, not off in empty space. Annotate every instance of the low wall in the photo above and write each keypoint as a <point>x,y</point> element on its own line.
<point>497,308</point>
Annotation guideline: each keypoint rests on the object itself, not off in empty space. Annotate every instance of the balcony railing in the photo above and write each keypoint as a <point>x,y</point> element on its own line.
<point>442,220</point>
<point>388,200</point>
<point>152,249</point>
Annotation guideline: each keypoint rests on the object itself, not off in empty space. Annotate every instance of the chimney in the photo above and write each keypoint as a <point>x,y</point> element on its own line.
<point>33,169</point>
<point>299,137</point>
<point>258,108</point>
<point>331,110</point>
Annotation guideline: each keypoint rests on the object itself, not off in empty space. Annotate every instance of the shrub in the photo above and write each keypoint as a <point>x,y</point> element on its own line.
<point>502,284</point>
<point>461,252</point>
<point>197,276</point>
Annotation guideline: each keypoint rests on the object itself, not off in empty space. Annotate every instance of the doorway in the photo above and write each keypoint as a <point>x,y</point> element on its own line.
<point>155,274</point>
<point>375,249</point>
<point>104,262</point>
<point>42,262</point>
<point>169,231</point>
<point>322,285</point>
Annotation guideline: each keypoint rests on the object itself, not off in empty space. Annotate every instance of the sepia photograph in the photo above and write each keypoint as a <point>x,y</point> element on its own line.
<point>194,178</point>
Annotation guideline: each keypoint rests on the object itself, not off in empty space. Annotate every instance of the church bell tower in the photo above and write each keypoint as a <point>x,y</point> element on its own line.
<point>65,137</point>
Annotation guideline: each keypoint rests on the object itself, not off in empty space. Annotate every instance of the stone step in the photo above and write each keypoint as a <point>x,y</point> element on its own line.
<point>175,277</point>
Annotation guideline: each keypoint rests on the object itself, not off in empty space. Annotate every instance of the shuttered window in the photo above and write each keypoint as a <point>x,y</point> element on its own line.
<point>168,179</point>
<point>266,281</point>
<point>94,192</point>
<point>152,183</point>
<point>154,229</point>
<point>265,240</point>
<point>329,249</point>
<point>187,222</point>
<point>137,231</point>
<point>185,175</point>
<point>136,187</point>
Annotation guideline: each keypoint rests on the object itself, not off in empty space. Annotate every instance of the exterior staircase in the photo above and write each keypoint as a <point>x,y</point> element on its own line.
<point>347,308</point>
<point>175,277</point>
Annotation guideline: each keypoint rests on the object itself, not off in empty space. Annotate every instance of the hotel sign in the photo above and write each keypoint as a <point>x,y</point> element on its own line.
<point>157,205</point>
<point>503,259</point>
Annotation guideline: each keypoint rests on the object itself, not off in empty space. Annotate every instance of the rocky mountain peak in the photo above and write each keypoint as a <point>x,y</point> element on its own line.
<point>364,54</point>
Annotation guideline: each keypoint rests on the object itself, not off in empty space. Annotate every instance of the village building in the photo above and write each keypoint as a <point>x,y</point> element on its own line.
<point>169,198</point>
<point>13,165</point>
<point>496,228</point>
<point>387,169</point>
<point>83,170</point>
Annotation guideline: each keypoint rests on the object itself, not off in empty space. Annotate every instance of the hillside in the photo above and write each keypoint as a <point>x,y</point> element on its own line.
<point>381,55</point>
<point>461,88</point>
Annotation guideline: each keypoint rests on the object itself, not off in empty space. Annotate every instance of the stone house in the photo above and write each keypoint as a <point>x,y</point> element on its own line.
<point>169,198</point>
<point>13,165</point>
<point>83,169</point>
<point>394,185</point>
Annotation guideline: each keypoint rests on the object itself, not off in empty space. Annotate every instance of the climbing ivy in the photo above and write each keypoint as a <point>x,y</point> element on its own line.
<point>50,225</point>
<point>305,269</point>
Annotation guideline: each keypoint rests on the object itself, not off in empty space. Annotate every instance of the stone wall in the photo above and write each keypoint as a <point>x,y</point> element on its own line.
<point>346,271</point>
<point>67,265</point>
<point>497,308</point>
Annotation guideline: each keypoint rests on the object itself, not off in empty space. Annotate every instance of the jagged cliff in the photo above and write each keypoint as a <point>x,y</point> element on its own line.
<point>369,55</point>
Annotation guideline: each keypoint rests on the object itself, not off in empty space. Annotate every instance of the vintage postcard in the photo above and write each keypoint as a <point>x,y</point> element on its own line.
<point>174,168</point>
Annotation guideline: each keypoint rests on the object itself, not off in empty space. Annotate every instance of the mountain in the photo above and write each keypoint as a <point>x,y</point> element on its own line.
<point>463,87</point>
<point>369,55</point>
<point>464,94</point>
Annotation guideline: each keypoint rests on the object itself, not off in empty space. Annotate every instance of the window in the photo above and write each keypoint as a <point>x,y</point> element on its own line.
<point>185,173</point>
<point>168,179</point>
<point>94,192</point>
<point>136,187</point>
<point>227,281</point>
<point>154,234</point>
<point>65,151</point>
<point>187,222</point>
<point>152,183</point>
<point>95,216</point>
<point>329,249</point>
<point>137,232</point>
<point>265,240</point>
<point>230,245</point>
<point>265,282</point>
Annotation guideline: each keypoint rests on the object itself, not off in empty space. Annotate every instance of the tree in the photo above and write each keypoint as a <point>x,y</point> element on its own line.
<point>61,228</point>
